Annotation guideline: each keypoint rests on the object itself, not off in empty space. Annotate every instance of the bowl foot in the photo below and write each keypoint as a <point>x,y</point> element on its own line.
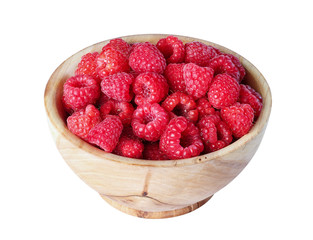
<point>155,215</point>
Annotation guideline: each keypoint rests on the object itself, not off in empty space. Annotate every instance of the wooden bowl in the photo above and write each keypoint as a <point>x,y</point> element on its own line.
<point>153,189</point>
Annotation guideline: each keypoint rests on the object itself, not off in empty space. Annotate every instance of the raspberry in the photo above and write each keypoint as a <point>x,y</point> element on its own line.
<point>208,131</point>
<point>224,133</point>
<point>119,45</point>
<point>253,98</point>
<point>224,64</point>
<point>111,61</point>
<point>181,104</point>
<point>204,107</point>
<point>197,79</point>
<point>149,88</point>
<point>117,86</point>
<point>149,121</point>
<point>214,132</point>
<point>212,147</point>
<point>172,48</point>
<point>199,53</point>
<point>175,78</point>
<point>79,91</point>
<point>82,121</point>
<point>129,145</point>
<point>145,57</point>
<point>122,109</point>
<point>235,60</point>
<point>153,152</point>
<point>224,91</point>
<point>106,134</point>
<point>239,117</point>
<point>181,139</point>
<point>88,66</point>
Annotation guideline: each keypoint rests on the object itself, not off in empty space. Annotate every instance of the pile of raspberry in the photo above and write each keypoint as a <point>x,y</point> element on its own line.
<point>158,102</point>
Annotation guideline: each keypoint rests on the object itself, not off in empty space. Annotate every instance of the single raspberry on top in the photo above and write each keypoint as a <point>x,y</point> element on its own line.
<point>149,121</point>
<point>129,145</point>
<point>111,61</point>
<point>224,91</point>
<point>150,88</point>
<point>118,86</point>
<point>239,117</point>
<point>106,134</point>
<point>145,57</point>
<point>119,45</point>
<point>82,121</point>
<point>181,104</point>
<point>199,53</point>
<point>197,79</point>
<point>153,152</point>
<point>122,109</point>
<point>172,48</point>
<point>79,91</point>
<point>88,66</point>
<point>253,98</point>
<point>181,139</point>
<point>175,77</point>
<point>224,64</point>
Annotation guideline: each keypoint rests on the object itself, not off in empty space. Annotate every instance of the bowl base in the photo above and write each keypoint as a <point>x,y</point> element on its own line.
<point>155,215</point>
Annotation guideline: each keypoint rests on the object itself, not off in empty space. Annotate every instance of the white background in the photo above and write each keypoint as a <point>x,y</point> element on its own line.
<point>41,198</point>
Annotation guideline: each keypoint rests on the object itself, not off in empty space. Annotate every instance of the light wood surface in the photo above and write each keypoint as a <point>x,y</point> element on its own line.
<point>152,189</point>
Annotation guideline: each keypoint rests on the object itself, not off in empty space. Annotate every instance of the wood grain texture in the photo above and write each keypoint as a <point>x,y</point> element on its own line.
<point>153,189</point>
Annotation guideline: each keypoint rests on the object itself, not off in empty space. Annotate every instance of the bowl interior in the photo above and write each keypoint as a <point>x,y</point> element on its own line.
<point>57,115</point>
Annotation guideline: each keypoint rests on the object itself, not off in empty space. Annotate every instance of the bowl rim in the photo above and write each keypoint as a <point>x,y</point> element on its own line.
<point>60,126</point>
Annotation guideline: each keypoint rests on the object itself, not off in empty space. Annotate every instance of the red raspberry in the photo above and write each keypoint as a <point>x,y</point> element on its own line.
<point>199,53</point>
<point>239,117</point>
<point>119,45</point>
<point>197,79</point>
<point>129,145</point>
<point>250,96</point>
<point>181,139</point>
<point>106,134</point>
<point>172,48</point>
<point>82,121</point>
<point>208,131</point>
<point>181,104</point>
<point>224,64</point>
<point>224,133</point>
<point>88,66</point>
<point>212,147</point>
<point>79,91</point>
<point>111,61</point>
<point>150,87</point>
<point>149,121</point>
<point>153,152</point>
<point>122,109</point>
<point>175,78</point>
<point>118,86</point>
<point>145,57</point>
<point>235,60</point>
<point>204,107</point>
<point>224,91</point>
<point>214,132</point>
